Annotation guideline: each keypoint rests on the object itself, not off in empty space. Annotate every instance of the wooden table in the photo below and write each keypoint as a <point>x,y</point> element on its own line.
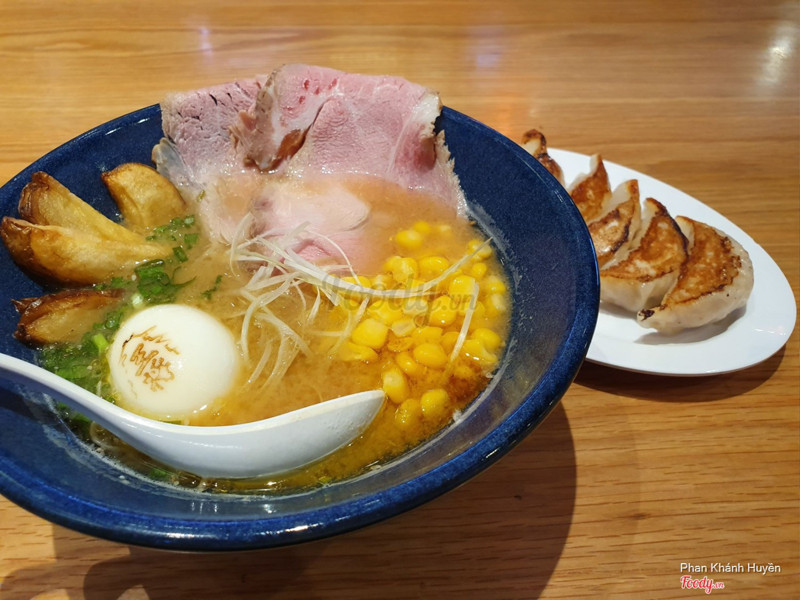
<point>633,476</point>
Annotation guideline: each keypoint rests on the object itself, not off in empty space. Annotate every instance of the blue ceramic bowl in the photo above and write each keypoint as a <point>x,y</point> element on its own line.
<point>545,248</point>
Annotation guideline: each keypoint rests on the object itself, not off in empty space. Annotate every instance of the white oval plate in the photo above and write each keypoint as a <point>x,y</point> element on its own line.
<point>746,337</point>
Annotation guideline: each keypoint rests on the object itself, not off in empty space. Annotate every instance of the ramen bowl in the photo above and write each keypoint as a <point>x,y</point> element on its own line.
<point>547,252</point>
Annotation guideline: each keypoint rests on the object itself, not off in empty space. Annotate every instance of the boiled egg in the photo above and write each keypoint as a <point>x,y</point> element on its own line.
<point>171,360</point>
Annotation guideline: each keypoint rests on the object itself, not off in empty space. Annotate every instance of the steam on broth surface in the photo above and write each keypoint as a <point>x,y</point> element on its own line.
<point>419,309</point>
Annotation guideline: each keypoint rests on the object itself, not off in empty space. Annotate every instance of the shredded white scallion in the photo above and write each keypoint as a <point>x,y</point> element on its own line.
<point>281,270</point>
<point>462,334</point>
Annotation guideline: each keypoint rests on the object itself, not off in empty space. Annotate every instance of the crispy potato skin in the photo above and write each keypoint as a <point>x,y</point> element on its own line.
<point>72,257</point>
<point>145,198</point>
<point>60,239</point>
<point>62,317</point>
<point>45,201</point>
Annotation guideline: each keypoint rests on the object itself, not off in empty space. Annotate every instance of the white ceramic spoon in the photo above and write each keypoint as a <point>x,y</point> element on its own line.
<point>271,446</point>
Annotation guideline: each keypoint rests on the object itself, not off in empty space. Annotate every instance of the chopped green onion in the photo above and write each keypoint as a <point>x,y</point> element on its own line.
<point>100,342</point>
<point>180,253</point>
<point>113,320</point>
<point>155,285</point>
<point>118,283</point>
<point>160,474</point>
<point>137,300</point>
<point>74,372</point>
<point>207,293</point>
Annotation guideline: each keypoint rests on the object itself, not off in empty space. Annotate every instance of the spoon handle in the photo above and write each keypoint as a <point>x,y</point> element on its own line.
<point>41,380</point>
<point>273,445</point>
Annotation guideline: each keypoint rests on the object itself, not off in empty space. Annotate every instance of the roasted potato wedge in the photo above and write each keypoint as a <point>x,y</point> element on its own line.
<point>45,201</point>
<point>64,316</point>
<point>71,257</point>
<point>144,196</point>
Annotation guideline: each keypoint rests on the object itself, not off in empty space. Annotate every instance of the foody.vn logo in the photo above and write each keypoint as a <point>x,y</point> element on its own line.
<point>707,585</point>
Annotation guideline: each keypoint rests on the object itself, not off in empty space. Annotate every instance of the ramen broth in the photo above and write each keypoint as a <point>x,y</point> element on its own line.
<point>407,233</point>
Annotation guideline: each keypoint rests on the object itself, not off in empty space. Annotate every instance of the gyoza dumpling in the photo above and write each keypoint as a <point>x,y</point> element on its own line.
<point>641,279</point>
<point>715,280</point>
<point>613,233</point>
<point>591,193</point>
<point>534,142</point>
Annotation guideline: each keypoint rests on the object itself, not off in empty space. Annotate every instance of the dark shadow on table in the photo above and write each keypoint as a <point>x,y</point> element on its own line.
<point>663,388</point>
<point>498,536</point>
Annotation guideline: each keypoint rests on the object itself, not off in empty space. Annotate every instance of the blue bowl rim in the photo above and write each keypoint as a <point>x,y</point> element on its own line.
<point>53,504</point>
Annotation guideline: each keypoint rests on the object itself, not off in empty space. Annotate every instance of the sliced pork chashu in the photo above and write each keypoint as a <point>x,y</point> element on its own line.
<point>591,192</point>
<point>641,279</point>
<point>614,232</point>
<point>242,148</point>
<point>715,280</point>
<point>535,143</point>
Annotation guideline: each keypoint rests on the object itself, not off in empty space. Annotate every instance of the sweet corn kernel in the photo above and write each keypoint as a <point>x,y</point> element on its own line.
<point>415,306</point>
<point>464,304</point>
<point>427,334</point>
<point>443,311</point>
<point>449,340</point>
<point>395,385</point>
<point>481,254</point>
<point>391,263</point>
<point>461,288</point>
<point>409,239</point>
<point>385,311</point>
<point>493,285</point>
<point>475,350</point>
<point>382,281</point>
<point>370,332</point>
<point>461,371</point>
<point>490,339</point>
<point>399,344</point>
<point>423,227</point>
<point>444,230</point>
<point>431,267</point>
<point>431,355</point>
<point>478,314</point>
<point>496,304</point>
<point>356,352</point>
<point>434,403</point>
<point>362,281</point>
<point>478,270</point>
<point>409,366</point>
<point>403,327</point>
<point>354,296</point>
<point>404,269</point>
<point>444,285</point>
<point>408,414</point>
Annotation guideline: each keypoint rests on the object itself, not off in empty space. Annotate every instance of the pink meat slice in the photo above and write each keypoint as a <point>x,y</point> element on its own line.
<point>245,146</point>
<point>198,154</point>
<point>330,214</point>
<point>197,144</point>
<point>312,120</point>
<point>274,126</point>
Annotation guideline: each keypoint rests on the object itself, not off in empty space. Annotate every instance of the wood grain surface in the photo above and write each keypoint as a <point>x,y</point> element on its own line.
<point>632,476</point>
